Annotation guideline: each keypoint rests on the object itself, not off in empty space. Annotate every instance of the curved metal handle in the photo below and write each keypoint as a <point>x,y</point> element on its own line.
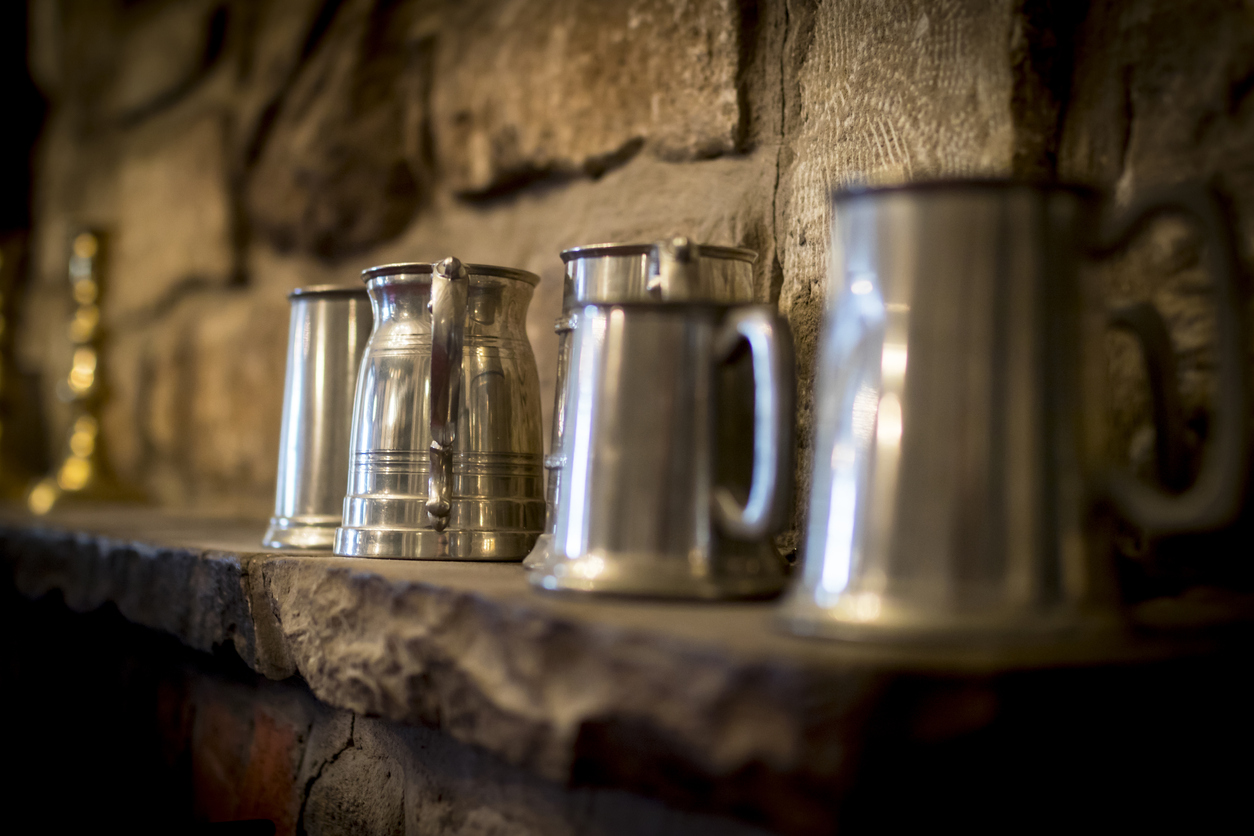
<point>1146,324</point>
<point>770,346</point>
<point>674,265</point>
<point>1216,495</point>
<point>449,284</point>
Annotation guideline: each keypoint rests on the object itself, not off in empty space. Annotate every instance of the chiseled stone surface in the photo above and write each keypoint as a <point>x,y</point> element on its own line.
<point>1162,94</point>
<point>333,175</point>
<point>200,391</point>
<point>164,240</point>
<point>566,86</point>
<point>702,706</point>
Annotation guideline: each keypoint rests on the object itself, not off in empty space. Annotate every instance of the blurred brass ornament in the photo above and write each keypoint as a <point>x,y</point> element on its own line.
<point>83,471</point>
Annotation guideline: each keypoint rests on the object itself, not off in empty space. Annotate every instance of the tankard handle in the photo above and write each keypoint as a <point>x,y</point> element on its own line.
<point>1146,324</point>
<point>449,284</point>
<point>770,347</point>
<point>1215,496</point>
<point>674,269</point>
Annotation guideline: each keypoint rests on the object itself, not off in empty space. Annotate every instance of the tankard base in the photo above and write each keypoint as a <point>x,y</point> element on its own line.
<point>428,544</point>
<point>302,533</point>
<point>541,553</point>
<point>867,618</point>
<point>753,575</point>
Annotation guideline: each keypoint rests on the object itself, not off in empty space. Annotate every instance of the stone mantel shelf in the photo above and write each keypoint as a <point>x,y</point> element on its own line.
<point>543,681</point>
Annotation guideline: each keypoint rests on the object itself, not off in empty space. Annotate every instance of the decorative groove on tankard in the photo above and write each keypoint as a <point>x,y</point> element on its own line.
<point>446,456</point>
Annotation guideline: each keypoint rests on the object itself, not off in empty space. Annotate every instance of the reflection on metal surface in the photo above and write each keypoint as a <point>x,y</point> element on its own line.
<point>960,415</point>
<point>326,340</point>
<point>445,455</point>
<point>675,268</point>
<point>83,472</point>
<point>646,512</point>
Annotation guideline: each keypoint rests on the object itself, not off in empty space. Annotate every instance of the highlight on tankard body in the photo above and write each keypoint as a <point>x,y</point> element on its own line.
<point>960,402</point>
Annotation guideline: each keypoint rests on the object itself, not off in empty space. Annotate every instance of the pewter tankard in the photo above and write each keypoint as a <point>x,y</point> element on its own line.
<point>670,270</point>
<point>446,455</point>
<point>651,447</point>
<point>959,478</point>
<point>327,336</point>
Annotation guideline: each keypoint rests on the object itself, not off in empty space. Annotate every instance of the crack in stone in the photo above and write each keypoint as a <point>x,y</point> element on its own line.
<point>777,267</point>
<point>308,788</point>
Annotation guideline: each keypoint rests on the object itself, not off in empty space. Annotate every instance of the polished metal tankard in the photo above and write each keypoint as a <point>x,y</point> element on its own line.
<point>446,455</point>
<point>660,434</point>
<point>328,332</point>
<point>959,479</point>
<point>669,270</point>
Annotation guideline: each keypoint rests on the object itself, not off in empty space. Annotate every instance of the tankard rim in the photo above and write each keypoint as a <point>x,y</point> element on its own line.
<point>620,248</point>
<point>951,185</point>
<point>327,290</point>
<point>676,305</point>
<point>420,268</point>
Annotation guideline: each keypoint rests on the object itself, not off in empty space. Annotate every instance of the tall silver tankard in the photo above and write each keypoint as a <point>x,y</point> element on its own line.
<point>327,336</point>
<point>657,445</point>
<point>670,270</point>
<point>446,454</point>
<point>959,481</point>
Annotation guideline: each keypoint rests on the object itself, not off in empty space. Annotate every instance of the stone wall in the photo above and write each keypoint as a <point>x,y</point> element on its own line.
<point>235,150</point>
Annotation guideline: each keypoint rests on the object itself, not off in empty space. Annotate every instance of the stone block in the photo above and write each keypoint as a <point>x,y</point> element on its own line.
<point>885,93</point>
<point>173,218</point>
<point>271,41</point>
<point>1163,94</point>
<point>200,393</point>
<point>361,790</point>
<point>530,87</point>
<point>333,176</point>
<point>115,62</point>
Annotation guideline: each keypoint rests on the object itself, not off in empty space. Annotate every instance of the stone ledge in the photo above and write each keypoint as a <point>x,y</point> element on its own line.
<point>701,705</point>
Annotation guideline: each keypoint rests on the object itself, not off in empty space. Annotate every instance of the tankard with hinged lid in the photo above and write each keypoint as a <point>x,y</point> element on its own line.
<point>675,269</point>
<point>446,452</point>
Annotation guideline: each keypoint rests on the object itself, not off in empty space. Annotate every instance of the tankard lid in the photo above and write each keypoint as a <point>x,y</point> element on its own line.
<point>424,269</point>
<point>606,250</point>
<point>327,290</point>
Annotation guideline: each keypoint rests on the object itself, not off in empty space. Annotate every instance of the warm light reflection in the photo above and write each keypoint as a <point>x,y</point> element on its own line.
<point>83,326</point>
<point>888,425</point>
<point>42,497</point>
<point>83,438</point>
<point>83,374</point>
<point>589,569</point>
<point>867,606</point>
<point>893,360</point>
<point>74,473</point>
<point>85,291</point>
<point>85,245</point>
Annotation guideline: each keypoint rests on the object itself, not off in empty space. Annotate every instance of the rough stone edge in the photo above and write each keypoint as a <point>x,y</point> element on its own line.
<point>195,595</point>
<point>693,724</point>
